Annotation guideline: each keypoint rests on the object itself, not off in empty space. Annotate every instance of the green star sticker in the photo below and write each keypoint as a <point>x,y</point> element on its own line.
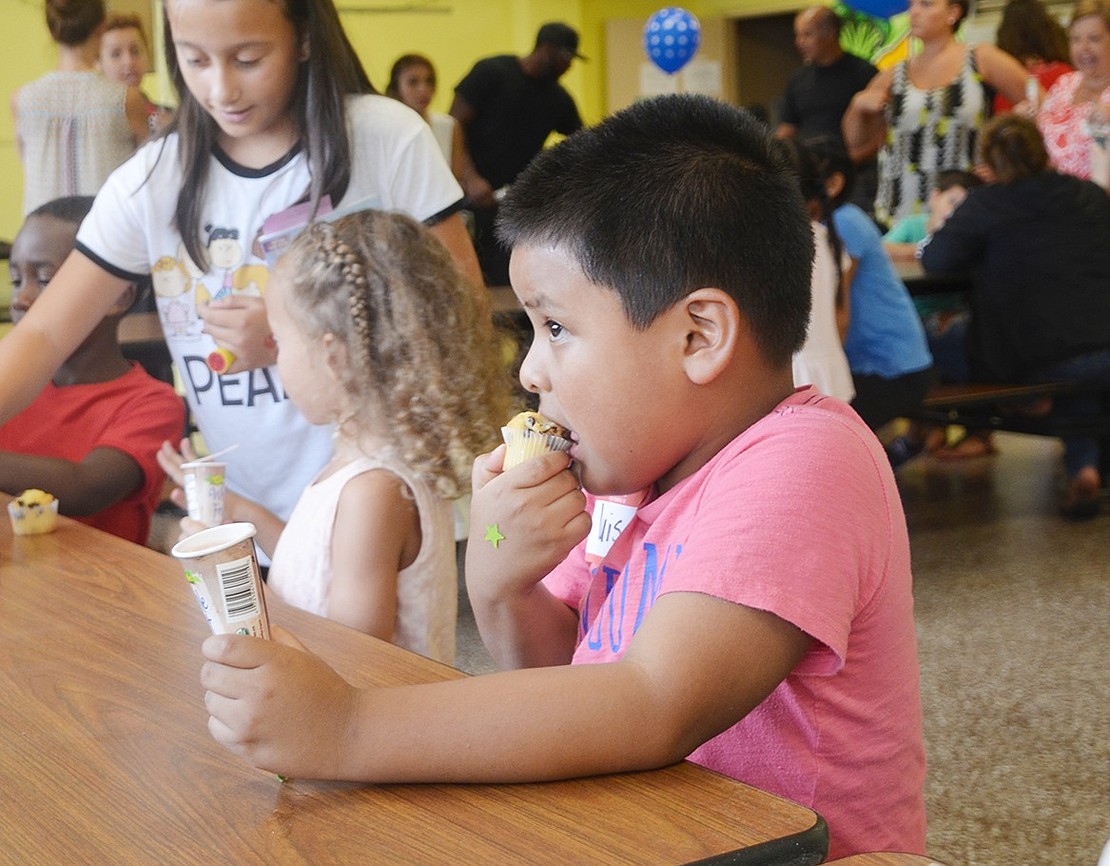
<point>494,536</point>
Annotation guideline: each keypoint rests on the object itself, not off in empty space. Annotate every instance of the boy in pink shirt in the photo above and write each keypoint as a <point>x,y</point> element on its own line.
<point>755,615</point>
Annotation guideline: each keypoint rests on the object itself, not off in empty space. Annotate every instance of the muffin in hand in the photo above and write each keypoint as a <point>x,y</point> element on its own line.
<point>529,434</point>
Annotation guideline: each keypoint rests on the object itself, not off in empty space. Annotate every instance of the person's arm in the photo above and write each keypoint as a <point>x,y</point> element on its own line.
<point>1005,74</point>
<point>900,242</point>
<point>237,509</point>
<point>138,115</point>
<point>864,126</point>
<point>959,243</point>
<point>476,187</point>
<point>80,295</point>
<point>900,252</point>
<point>453,234</point>
<point>697,665</point>
<point>102,478</point>
<point>15,124</point>
<point>539,514</point>
<point>789,118</point>
<point>376,534</point>
<point>458,151</point>
<point>844,298</point>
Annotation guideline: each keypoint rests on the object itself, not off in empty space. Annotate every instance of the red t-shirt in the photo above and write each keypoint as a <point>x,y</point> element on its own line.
<point>1045,73</point>
<point>133,414</point>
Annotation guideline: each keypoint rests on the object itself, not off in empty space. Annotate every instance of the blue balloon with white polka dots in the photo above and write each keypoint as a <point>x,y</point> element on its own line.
<point>671,38</point>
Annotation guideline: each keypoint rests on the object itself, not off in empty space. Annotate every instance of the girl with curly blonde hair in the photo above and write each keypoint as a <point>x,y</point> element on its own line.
<point>378,334</point>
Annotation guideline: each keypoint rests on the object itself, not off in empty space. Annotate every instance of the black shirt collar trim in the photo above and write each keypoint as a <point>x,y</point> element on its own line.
<point>241,170</point>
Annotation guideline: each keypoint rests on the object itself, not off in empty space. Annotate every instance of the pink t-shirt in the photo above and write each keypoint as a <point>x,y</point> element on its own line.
<point>1064,126</point>
<point>799,516</point>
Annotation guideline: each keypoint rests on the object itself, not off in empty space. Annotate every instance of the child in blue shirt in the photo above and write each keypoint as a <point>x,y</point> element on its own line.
<point>885,344</point>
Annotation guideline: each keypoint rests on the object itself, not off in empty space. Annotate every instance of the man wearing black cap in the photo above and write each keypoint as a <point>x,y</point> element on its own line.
<point>507,106</point>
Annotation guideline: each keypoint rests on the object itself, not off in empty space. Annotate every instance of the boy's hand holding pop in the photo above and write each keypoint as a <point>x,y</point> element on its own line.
<point>277,705</point>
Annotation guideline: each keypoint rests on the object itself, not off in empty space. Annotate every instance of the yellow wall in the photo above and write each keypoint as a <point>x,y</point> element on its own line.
<point>28,52</point>
<point>454,40</point>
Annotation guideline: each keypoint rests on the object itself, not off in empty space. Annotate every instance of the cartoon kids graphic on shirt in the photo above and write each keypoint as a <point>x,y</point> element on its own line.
<point>173,295</point>
<point>226,255</point>
<point>250,280</point>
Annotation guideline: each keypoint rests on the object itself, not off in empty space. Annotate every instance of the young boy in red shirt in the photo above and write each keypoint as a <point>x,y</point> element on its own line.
<point>91,436</point>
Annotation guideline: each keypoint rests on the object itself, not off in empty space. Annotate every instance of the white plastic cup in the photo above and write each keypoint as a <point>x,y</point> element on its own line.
<point>221,566</point>
<point>204,490</point>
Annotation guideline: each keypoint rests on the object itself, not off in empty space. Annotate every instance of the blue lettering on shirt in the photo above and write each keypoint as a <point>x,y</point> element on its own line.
<point>610,579</point>
<point>608,621</point>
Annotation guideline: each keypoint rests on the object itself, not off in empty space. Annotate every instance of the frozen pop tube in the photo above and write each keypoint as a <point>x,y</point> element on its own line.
<point>204,490</point>
<point>221,566</point>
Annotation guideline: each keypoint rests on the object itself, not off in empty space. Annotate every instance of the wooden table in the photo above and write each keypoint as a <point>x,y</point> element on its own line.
<point>885,860</point>
<point>106,756</point>
<point>918,282</point>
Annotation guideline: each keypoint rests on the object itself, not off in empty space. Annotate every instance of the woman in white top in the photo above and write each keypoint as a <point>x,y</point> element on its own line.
<point>73,126</point>
<point>412,80</point>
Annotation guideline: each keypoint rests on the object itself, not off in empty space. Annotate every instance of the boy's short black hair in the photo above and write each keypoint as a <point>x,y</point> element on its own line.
<point>73,209</point>
<point>668,196</point>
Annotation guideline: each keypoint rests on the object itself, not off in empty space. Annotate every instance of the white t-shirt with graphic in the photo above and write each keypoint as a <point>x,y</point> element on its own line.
<point>130,232</point>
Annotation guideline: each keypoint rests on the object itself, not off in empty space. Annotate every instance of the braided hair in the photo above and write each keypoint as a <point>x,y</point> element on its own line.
<point>423,364</point>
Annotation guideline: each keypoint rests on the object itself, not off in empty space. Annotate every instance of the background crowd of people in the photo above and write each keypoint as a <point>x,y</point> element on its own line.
<point>896,149</point>
<point>925,119</point>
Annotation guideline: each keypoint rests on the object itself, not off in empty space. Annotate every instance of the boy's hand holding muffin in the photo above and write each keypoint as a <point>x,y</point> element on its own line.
<point>528,512</point>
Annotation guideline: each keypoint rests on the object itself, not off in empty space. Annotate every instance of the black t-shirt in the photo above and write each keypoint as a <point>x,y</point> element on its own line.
<point>1038,250</point>
<point>816,97</point>
<point>515,114</point>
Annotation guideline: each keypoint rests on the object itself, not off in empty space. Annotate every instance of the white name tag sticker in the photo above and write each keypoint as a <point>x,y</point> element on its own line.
<point>609,521</point>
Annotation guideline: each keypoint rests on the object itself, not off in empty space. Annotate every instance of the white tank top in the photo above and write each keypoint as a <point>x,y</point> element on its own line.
<point>427,591</point>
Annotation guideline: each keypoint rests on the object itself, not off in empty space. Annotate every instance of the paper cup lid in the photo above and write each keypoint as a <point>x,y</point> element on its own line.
<point>200,464</point>
<point>213,540</point>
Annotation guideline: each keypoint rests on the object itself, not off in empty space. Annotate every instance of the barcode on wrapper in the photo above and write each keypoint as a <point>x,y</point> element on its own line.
<point>238,587</point>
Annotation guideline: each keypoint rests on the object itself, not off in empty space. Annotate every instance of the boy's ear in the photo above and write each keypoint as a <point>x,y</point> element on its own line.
<point>713,328</point>
<point>834,185</point>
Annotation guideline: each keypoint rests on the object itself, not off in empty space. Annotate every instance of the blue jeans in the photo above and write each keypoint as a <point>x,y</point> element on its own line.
<point>1091,369</point>
<point>948,345</point>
